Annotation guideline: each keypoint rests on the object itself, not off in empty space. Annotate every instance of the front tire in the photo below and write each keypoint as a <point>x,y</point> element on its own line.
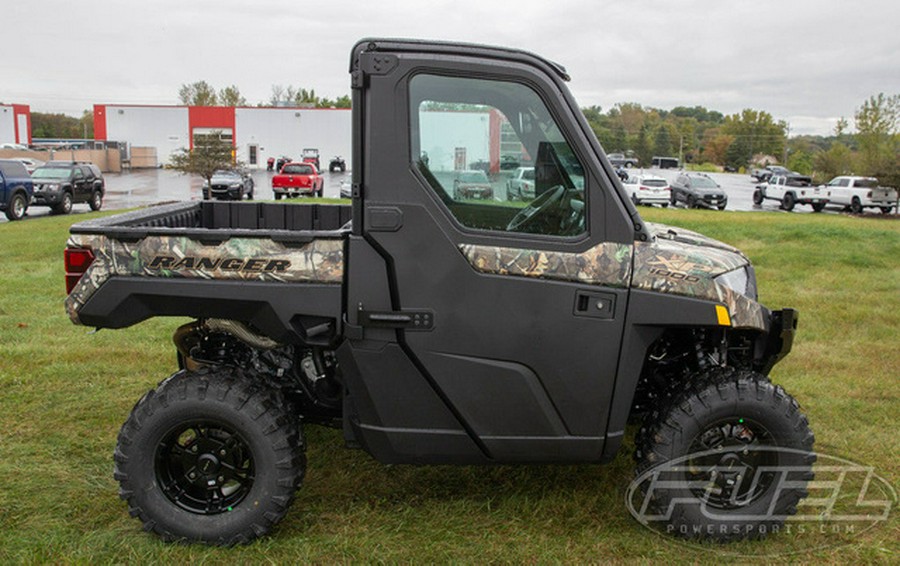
<point>758,197</point>
<point>734,453</point>
<point>209,456</point>
<point>65,205</point>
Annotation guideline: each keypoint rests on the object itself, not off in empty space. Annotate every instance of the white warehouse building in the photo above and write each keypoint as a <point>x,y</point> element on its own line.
<point>256,133</point>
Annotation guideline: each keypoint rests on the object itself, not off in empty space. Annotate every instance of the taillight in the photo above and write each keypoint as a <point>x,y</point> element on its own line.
<point>77,262</point>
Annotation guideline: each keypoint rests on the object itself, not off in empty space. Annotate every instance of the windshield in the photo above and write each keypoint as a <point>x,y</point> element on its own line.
<point>704,183</point>
<point>473,177</point>
<point>528,174</point>
<point>223,173</point>
<point>52,173</point>
<point>297,169</point>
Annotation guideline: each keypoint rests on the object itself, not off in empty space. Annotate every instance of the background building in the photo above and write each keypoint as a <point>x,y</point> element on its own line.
<point>255,133</point>
<point>15,124</point>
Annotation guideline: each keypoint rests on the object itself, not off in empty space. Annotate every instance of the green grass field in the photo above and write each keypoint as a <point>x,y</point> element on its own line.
<point>64,392</point>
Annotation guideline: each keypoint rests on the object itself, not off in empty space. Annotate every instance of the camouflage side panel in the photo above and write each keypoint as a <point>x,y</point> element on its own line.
<point>249,259</point>
<point>605,264</point>
<point>670,266</point>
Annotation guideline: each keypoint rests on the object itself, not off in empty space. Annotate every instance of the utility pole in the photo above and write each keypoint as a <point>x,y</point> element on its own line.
<point>786,136</point>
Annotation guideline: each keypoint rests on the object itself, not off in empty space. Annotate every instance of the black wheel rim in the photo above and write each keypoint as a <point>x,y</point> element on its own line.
<point>204,467</point>
<point>735,463</point>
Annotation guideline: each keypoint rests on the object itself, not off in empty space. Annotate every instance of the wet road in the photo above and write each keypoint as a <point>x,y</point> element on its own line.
<point>150,186</point>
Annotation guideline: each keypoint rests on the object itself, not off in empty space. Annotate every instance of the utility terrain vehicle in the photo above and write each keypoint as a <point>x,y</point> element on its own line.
<point>435,328</point>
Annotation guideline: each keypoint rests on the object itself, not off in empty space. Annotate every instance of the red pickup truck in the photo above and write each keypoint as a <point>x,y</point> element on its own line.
<point>297,179</point>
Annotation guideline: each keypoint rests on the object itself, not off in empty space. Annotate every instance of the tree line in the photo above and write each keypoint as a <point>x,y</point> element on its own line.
<point>201,93</point>
<point>702,136</point>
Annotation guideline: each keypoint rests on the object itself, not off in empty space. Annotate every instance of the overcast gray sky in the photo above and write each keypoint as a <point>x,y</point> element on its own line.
<point>808,62</point>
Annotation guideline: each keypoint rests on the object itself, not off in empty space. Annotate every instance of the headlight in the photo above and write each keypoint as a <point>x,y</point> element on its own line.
<point>235,185</point>
<point>52,187</point>
<point>741,281</point>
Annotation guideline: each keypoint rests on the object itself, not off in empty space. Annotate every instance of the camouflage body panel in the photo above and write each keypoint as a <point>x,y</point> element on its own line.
<point>606,264</point>
<point>676,261</point>
<point>683,262</point>
<point>249,259</point>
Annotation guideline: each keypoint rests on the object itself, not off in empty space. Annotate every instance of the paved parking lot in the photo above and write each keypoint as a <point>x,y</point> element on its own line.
<point>149,186</point>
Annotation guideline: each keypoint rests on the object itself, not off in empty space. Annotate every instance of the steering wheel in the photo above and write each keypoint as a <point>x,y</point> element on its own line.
<point>557,211</point>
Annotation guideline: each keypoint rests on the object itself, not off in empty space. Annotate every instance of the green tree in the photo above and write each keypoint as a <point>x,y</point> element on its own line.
<point>877,122</point>
<point>339,102</point>
<point>801,162</point>
<point>643,147</point>
<point>755,132</point>
<point>231,96</point>
<point>838,160</point>
<point>199,93</point>
<point>210,153</point>
<point>61,126</point>
<point>662,144</point>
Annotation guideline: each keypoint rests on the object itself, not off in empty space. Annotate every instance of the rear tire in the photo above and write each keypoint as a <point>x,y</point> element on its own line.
<point>96,201</point>
<point>16,207</point>
<point>787,201</point>
<point>856,206</point>
<point>726,423</point>
<point>209,456</point>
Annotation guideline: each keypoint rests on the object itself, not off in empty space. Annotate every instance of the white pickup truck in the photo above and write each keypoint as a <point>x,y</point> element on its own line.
<point>790,190</point>
<point>858,193</point>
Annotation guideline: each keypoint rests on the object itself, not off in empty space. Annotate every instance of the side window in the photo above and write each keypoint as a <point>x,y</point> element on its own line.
<point>470,137</point>
<point>78,174</point>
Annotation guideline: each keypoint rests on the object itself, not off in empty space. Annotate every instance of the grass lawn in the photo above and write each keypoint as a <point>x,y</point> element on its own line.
<point>64,393</point>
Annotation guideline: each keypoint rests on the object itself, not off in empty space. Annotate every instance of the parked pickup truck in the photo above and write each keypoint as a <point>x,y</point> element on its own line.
<point>16,188</point>
<point>790,190</point>
<point>434,329</point>
<point>858,193</point>
<point>763,174</point>
<point>297,179</point>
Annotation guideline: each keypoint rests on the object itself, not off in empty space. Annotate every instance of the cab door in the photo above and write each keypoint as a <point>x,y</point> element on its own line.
<point>511,310</point>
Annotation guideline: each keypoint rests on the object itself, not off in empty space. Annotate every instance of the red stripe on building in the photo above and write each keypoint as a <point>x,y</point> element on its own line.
<point>100,122</point>
<point>22,110</point>
<point>213,117</point>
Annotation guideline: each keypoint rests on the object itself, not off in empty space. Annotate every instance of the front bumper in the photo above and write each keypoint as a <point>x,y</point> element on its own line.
<point>46,198</point>
<point>773,346</point>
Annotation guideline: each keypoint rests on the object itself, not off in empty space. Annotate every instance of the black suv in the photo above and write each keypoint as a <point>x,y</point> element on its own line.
<point>697,190</point>
<point>60,184</point>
